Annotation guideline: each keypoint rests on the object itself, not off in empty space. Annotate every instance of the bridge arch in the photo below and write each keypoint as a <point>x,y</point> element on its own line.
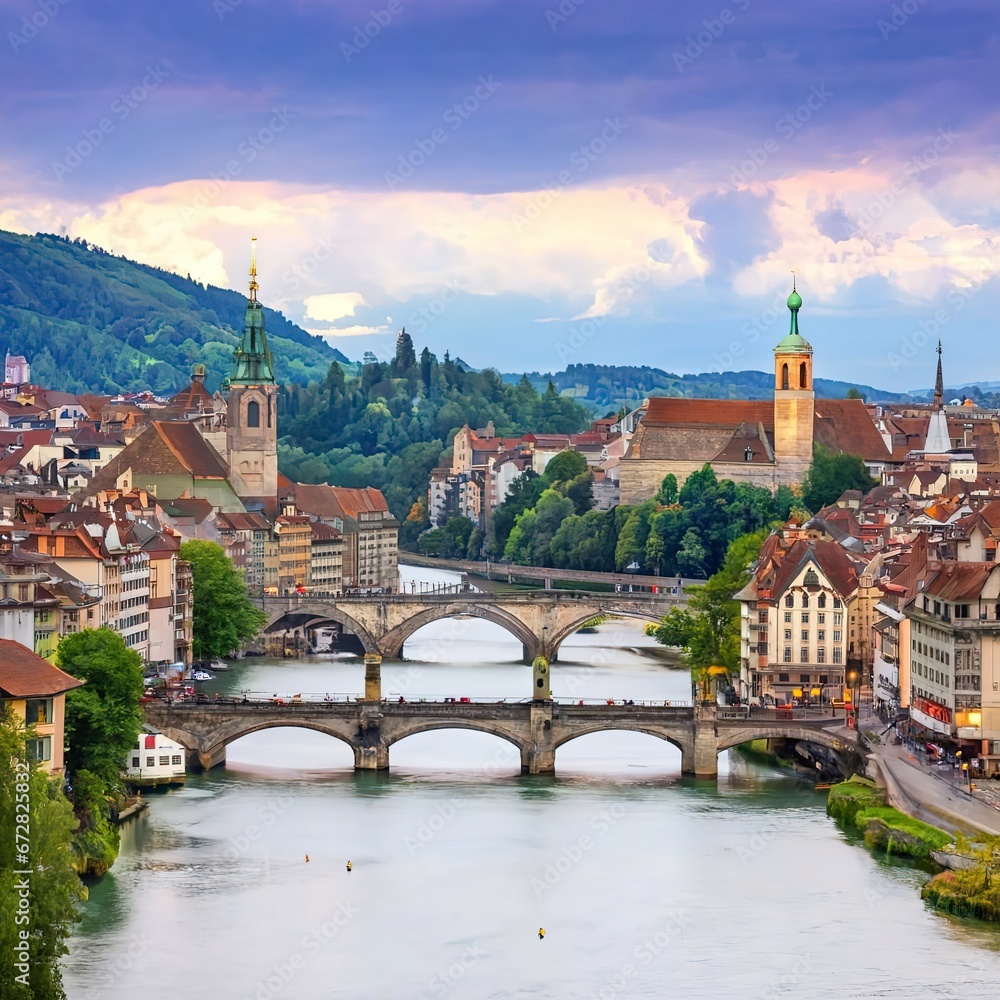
<point>231,731</point>
<point>660,734</point>
<point>574,626</point>
<point>471,725</point>
<point>393,641</point>
<point>311,615</point>
<point>806,734</point>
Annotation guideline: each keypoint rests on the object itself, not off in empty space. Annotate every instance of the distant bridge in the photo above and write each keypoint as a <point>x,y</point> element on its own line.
<point>514,573</point>
<point>535,728</point>
<point>540,619</point>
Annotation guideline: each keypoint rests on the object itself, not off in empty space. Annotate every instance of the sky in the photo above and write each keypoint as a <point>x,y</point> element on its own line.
<point>536,183</point>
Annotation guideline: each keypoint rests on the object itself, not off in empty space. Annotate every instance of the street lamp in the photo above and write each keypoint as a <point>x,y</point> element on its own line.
<point>853,677</point>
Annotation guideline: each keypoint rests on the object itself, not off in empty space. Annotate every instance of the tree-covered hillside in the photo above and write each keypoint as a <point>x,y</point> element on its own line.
<point>90,321</point>
<point>388,426</point>
<point>609,387</point>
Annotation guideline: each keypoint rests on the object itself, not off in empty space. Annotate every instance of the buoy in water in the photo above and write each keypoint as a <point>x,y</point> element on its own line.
<point>349,866</point>
<point>541,933</point>
<point>307,859</point>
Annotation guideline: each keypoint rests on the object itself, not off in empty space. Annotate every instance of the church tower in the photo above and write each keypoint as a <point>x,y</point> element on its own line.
<point>251,415</point>
<point>794,399</point>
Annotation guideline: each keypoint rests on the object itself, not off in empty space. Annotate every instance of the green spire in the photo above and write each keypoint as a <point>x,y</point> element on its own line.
<point>252,363</point>
<point>794,343</point>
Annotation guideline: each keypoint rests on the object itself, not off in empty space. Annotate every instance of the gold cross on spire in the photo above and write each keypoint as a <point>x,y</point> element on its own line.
<point>793,279</point>
<point>253,269</point>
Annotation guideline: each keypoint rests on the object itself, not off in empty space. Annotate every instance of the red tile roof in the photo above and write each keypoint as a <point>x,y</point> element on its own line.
<point>24,674</point>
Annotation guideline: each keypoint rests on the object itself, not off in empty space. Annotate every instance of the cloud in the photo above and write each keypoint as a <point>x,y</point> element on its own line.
<point>332,306</point>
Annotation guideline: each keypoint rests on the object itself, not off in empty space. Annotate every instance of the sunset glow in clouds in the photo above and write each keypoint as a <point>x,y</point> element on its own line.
<point>495,174</point>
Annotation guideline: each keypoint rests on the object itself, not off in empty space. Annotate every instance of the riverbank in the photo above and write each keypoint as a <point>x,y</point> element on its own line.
<point>860,804</point>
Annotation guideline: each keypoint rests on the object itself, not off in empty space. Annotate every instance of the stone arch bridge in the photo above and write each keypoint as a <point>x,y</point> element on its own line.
<point>536,729</point>
<point>540,619</point>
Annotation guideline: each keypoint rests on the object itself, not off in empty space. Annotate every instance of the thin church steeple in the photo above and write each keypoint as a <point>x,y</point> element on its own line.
<point>252,360</point>
<point>939,382</point>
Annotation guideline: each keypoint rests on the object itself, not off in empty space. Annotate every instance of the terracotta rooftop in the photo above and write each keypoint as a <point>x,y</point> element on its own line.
<point>24,674</point>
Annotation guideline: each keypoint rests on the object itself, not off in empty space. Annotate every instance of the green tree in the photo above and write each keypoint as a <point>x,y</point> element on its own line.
<point>433,542</point>
<point>854,393</point>
<point>224,618</point>
<point>691,555</point>
<point>458,530</point>
<point>669,493</point>
<point>102,717</point>
<point>53,886</point>
<point>565,466</point>
<point>675,628</point>
<point>830,474</point>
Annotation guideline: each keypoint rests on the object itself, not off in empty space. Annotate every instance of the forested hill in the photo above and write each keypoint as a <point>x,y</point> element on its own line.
<point>609,387</point>
<point>88,320</point>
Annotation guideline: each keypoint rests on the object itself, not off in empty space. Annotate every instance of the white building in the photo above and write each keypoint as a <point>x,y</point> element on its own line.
<point>155,760</point>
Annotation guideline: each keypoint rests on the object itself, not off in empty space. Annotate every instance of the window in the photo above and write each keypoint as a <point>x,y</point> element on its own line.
<point>821,601</point>
<point>824,678</point>
<point>836,603</point>
<point>39,749</point>
<point>803,678</point>
<point>788,616</point>
<point>837,635</point>
<point>805,635</point>
<point>164,761</point>
<point>821,655</point>
<point>821,618</point>
<point>838,655</point>
<point>762,617</point>
<point>762,648</point>
<point>38,711</point>
<point>961,610</point>
<point>805,617</point>
<point>821,635</point>
<point>786,655</point>
<point>135,761</point>
<point>838,619</point>
<point>150,762</point>
<point>805,600</point>
<point>253,413</point>
<point>803,383</point>
<point>782,677</point>
<point>790,601</point>
<point>804,654</point>
<point>788,635</point>
<point>784,376</point>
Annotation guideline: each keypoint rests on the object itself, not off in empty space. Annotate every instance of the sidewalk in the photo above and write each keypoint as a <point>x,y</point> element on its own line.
<point>932,797</point>
<point>916,789</point>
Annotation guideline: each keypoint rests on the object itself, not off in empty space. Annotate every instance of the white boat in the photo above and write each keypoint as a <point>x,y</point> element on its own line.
<point>218,665</point>
<point>201,675</point>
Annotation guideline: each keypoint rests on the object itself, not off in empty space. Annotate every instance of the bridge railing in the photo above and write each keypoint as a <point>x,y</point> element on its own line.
<point>313,699</point>
<point>754,712</point>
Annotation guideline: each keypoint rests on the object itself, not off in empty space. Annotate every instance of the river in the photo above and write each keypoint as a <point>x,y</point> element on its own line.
<point>647,885</point>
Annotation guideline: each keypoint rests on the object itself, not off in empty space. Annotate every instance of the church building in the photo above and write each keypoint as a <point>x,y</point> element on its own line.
<point>764,442</point>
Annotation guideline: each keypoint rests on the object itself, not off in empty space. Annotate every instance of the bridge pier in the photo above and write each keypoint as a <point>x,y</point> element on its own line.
<point>374,758</point>
<point>202,761</point>
<point>540,756</point>
<point>373,677</point>
<point>701,759</point>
